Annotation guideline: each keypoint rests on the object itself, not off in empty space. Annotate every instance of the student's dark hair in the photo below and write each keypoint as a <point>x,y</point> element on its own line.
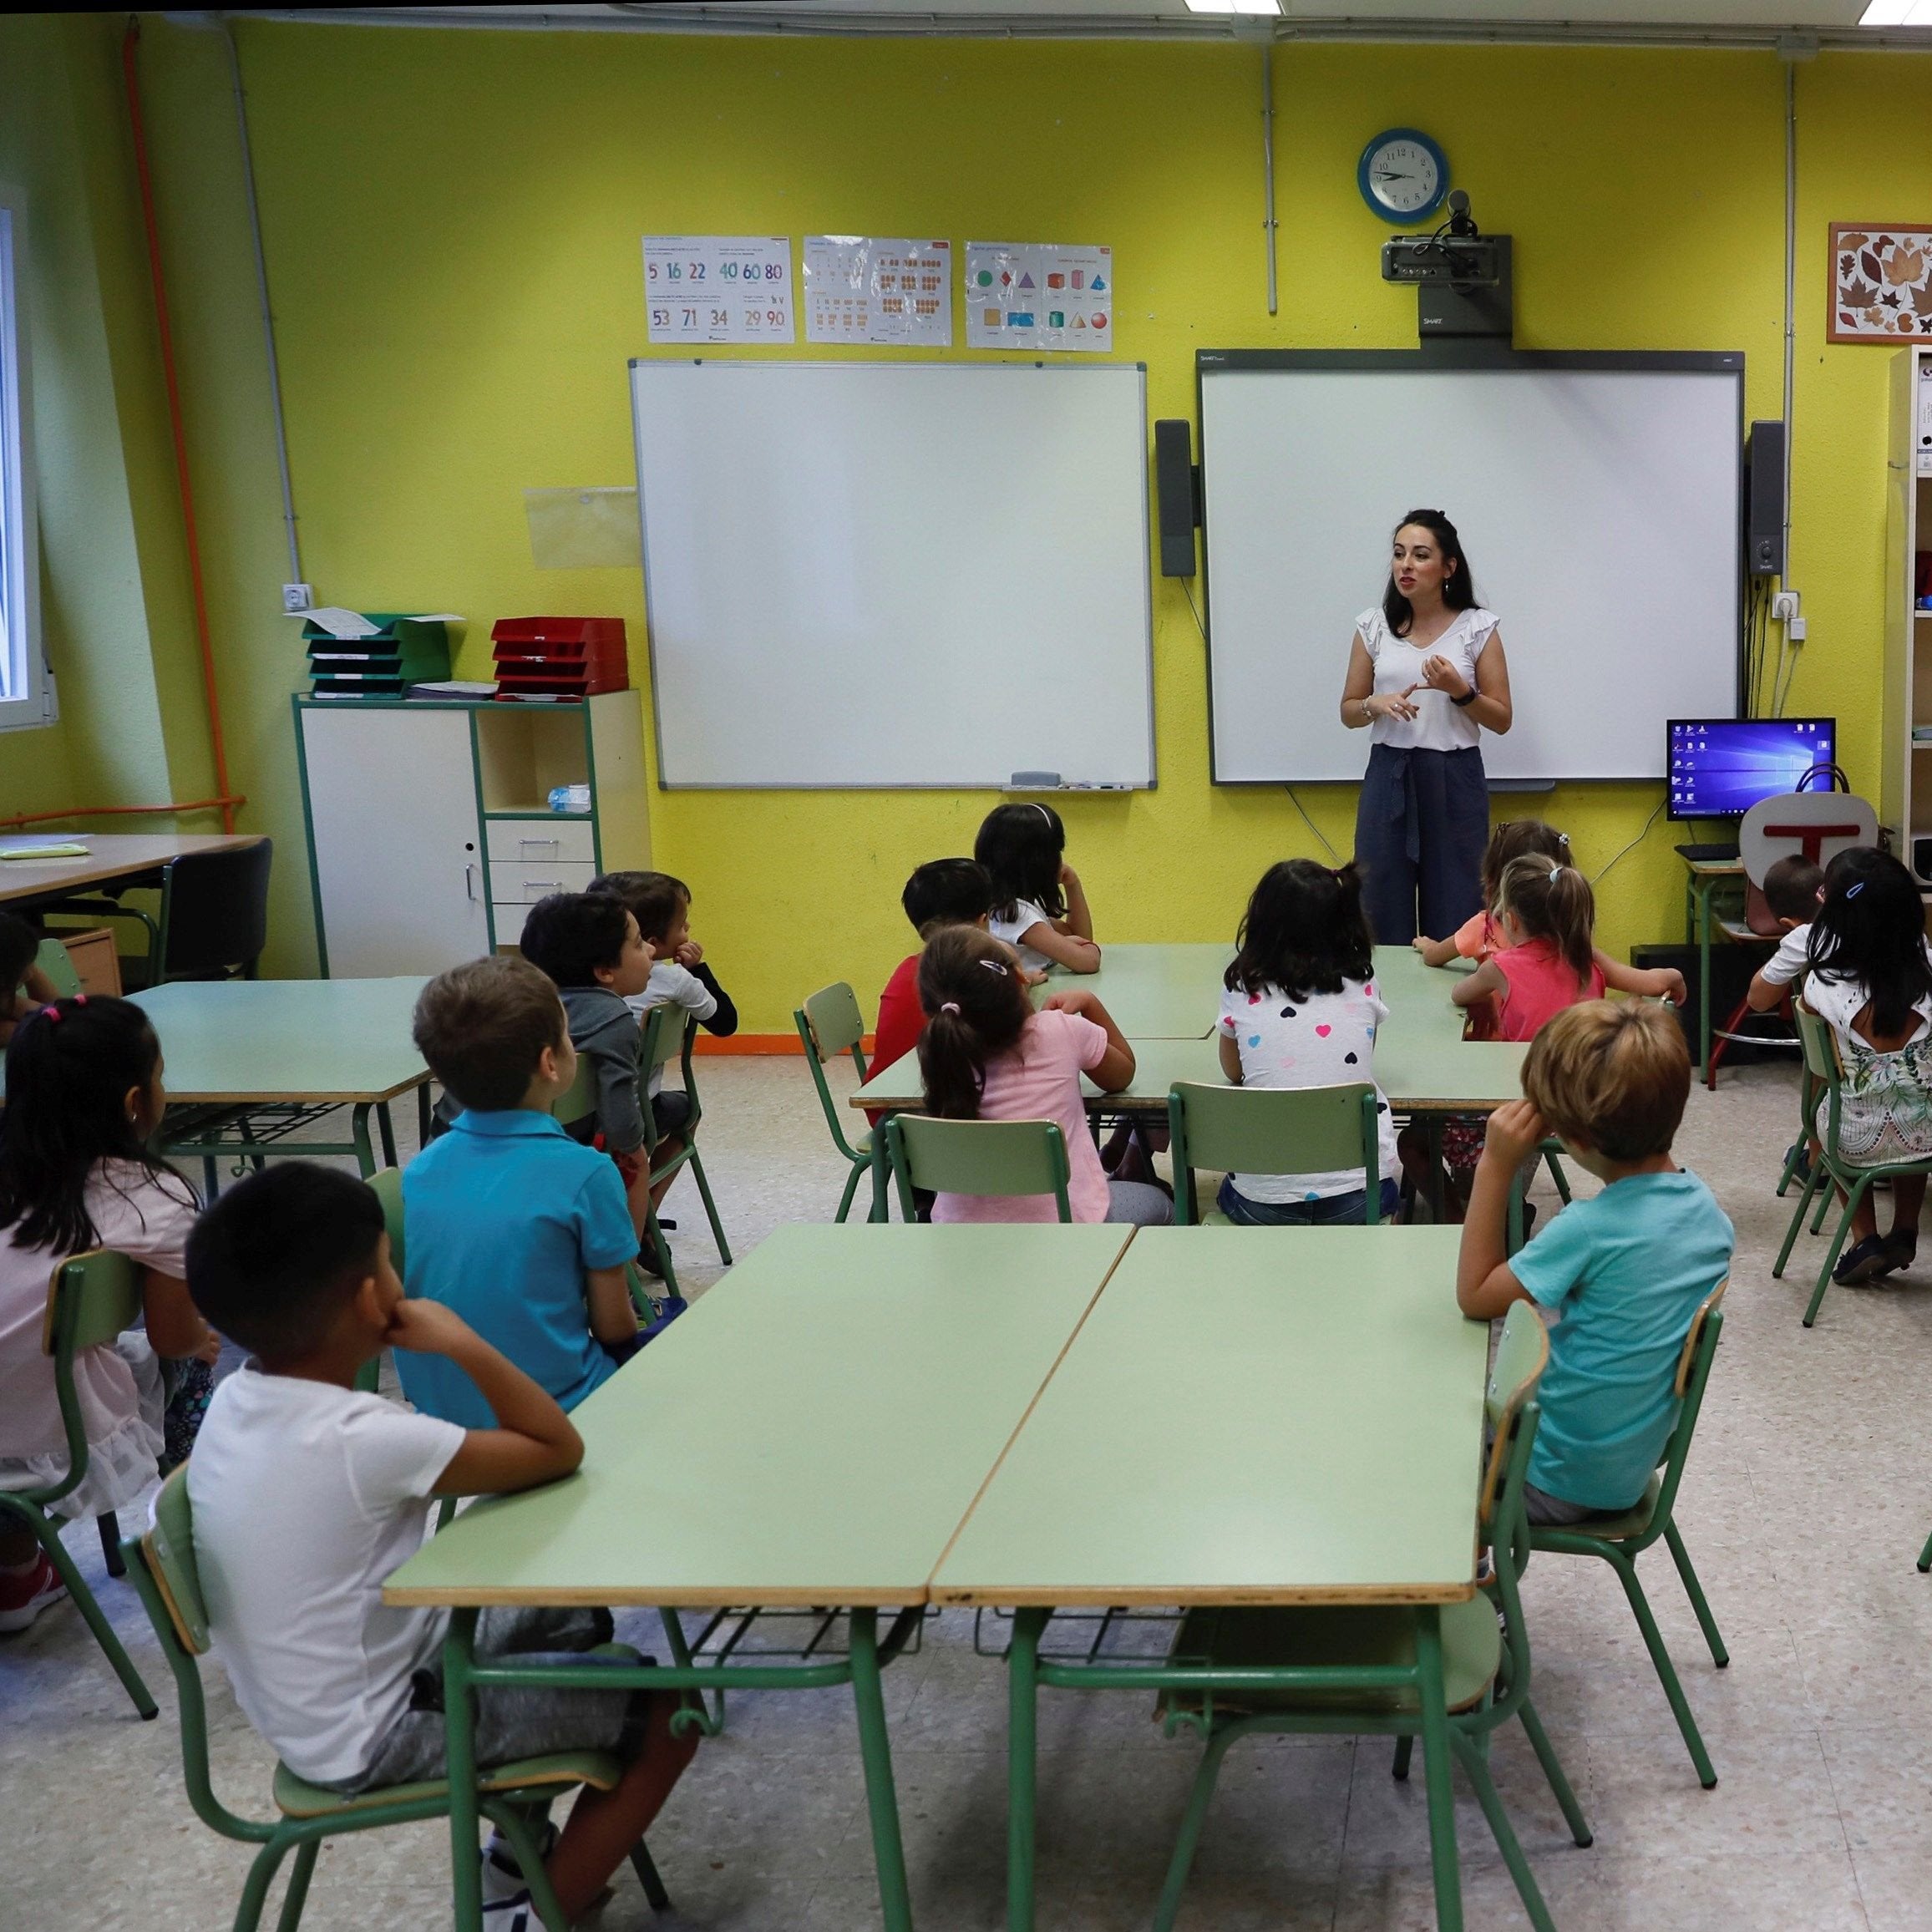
<point>570,934</point>
<point>1553,902</point>
<point>18,943</point>
<point>947,892</point>
<point>1020,847</point>
<point>976,1006</point>
<point>1871,929</point>
<point>482,1028</point>
<point>1458,588</point>
<point>1792,886</point>
<point>1304,931</point>
<point>653,899</point>
<point>69,1067</point>
<point>273,1260</point>
<point>1519,838</point>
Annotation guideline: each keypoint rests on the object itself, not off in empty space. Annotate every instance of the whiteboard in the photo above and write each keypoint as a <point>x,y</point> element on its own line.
<point>1598,499</point>
<point>896,574</point>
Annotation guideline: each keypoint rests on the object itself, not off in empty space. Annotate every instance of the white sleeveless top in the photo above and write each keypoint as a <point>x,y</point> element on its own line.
<point>1439,724</point>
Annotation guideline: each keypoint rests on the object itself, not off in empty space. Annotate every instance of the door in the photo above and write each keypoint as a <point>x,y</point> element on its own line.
<point>396,839</point>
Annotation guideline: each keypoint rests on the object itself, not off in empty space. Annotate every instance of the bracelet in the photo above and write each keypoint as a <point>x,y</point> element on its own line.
<point>1470,697</point>
<point>1368,716</point>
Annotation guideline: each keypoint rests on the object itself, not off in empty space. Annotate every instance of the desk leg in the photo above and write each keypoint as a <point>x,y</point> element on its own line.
<point>459,1730</point>
<point>422,1115</point>
<point>1436,1768</point>
<point>359,1126</point>
<point>875,1750</point>
<point>881,1208</point>
<point>1023,1694</point>
<point>387,1128</point>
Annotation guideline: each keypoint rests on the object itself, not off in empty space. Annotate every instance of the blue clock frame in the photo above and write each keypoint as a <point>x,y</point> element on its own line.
<point>1397,218</point>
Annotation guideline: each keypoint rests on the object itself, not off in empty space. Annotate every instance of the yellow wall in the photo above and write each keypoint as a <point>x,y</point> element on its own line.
<point>453,223</point>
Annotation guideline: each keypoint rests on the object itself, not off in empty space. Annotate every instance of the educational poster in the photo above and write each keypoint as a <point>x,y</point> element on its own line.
<point>1039,295</point>
<point>719,288</point>
<point>861,288</point>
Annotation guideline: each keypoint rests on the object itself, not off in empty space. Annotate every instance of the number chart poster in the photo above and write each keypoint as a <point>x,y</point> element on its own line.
<point>860,288</point>
<point>1040,295</point>
<point>719,288</point>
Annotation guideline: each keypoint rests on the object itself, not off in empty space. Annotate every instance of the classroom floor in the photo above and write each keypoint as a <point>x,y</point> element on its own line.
<point>1804,1506</point>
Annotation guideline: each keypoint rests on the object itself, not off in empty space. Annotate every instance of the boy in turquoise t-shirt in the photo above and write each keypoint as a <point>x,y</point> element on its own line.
<point>1620,1275</point>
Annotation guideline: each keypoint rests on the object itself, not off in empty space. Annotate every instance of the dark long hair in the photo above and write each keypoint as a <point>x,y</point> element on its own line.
<point>1871,930</point>
<point>1459,587</point>
<point>1020,847</point>
<point>1553,902</point>
<point>1518,838</point>
<point>69,1067</point>
<point>976,1006</point>
<point>1304,931</point>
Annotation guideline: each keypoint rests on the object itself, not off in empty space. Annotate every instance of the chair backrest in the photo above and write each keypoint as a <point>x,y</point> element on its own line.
<point>977,1157</point>
<point>1510,1409</point>
<point>670,1029</point>
<point>1818,825</point>
<point>214,912</point>
<point>579,1101</point>
<point>1693,1372</point>
<point>387,1182</point>
<point>1272,1130</point>
<point>170,1547</point>
<point>1820,1047</point>
<point>1522,1355</point>
<point>90,1299</point>
<point>832,1024</point>
<point>57,962</point>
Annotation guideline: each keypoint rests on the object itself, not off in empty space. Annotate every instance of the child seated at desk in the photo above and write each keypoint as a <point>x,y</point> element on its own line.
<point>1300,1010</point>
<point>23,986</point>
<point>1478,937</point>
<point>512,1224</point>
<point>1039,905</point>
<point>1794,889</point>
<point>306,1494</point>
<point>1619,1275</point>
<point>939,893</point>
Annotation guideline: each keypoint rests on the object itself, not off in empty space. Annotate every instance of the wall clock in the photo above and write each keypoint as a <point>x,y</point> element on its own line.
<point>1402,174</point>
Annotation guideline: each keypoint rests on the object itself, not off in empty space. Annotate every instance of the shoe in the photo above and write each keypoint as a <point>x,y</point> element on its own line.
<point>668,1308</point>
<point>1865,1262</point>
<point>502,1880</point>
<point>24,1596</point>
<point>515,1913</point>
<point>1797,1158</point>
<point>1902,1244</point>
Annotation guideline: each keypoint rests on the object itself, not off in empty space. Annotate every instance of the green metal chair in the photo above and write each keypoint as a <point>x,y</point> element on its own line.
<point>1269,1130</point>
<point>1621,1540</point>
<point>164,1572</point>
<point>661,1039</point>
<point>829,1024</point>
<point>1830,1167</point>
<point>1485,1660</point>
<point>977,1157</point>
<point>90,1300</point>
<point>57,962</point>
<point>387,1182</point>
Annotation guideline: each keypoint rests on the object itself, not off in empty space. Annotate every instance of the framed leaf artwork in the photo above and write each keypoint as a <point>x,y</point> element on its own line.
<point>1881,284</point>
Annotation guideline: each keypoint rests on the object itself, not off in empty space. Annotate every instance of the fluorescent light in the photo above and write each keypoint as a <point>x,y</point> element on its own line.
<point>1267,7</point>
<point>1897,14</point>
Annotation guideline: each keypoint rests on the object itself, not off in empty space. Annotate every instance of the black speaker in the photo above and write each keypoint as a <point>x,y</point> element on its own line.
<point>1764,499</point>
<point>1922,858</point>
<point>1177,488</point>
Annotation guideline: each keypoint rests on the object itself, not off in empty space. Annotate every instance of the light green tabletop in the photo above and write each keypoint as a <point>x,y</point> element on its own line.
<point>811,1432</point>
<point>260,1040</point>
<point>1155,992</point>
<point>1250,1415</point>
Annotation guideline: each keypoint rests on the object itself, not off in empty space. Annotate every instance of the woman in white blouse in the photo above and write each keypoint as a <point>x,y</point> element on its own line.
<point>1427,676</point>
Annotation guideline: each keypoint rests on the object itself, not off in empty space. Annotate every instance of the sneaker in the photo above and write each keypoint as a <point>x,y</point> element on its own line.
<point>1866,1260</point>
<point>1797,1158</point>
<point>668,1308</point>
<point>515,1913</point>
<point>23,1596</point>
<point>503,1879</point>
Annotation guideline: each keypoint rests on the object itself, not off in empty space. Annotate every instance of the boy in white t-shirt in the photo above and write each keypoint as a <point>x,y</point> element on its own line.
<point>1793,885</point>
<point>308,1494</point>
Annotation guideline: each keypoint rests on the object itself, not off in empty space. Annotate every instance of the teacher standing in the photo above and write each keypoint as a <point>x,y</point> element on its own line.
<point>1426,676</point>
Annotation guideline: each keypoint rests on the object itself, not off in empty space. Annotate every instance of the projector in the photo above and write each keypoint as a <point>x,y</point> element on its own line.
<point>1467,261</point>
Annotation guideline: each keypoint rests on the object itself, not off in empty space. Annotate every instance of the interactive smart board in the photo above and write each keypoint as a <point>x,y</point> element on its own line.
<point>896,574</point>
<point>1597,496</point>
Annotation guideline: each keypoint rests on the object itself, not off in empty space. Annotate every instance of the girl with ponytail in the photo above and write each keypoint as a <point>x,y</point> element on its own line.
<point>1546,914</point>
<point>985,1054</point>
<point>1299,1009</point>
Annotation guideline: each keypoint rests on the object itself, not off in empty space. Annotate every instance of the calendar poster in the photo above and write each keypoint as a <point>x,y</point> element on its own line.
<point>1039,295</point>
<point>719,288</point>
<point>860,288</point>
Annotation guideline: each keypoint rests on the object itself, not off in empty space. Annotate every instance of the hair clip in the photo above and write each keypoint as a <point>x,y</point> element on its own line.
<point>994,966</point>
<point>50,1013</point>
<point>949,1006</point>
<point>1853,892</point>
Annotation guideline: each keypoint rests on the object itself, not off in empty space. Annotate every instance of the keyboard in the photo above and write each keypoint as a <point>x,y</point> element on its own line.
<point>1717,855</point>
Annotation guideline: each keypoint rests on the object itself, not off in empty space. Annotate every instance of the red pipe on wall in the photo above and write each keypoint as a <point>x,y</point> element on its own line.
<point>222,805</point>
<point>225,801</point>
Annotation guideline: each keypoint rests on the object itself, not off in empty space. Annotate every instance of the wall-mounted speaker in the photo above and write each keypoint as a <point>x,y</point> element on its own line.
<point>1178,490</point>
<point>1764,499</point>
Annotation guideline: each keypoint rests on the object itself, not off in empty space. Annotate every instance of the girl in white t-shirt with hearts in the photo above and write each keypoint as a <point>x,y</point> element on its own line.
<point>1300,1010</point>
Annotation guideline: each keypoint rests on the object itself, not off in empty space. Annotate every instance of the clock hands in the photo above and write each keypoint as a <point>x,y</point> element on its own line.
<point>1387,174</point>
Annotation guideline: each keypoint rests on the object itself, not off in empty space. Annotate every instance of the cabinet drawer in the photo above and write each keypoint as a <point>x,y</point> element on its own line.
<point>540,841</point>
<point>524,884</point>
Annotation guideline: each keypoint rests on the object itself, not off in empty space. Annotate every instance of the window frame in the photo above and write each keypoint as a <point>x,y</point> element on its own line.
<point>33,706</point>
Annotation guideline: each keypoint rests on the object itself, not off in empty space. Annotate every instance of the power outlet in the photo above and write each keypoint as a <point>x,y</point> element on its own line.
<point>1783,606</point>
<point>1795,630</point>
<point>297,598</point>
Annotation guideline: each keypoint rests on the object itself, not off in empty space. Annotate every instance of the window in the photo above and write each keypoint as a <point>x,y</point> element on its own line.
<point>26,690</point>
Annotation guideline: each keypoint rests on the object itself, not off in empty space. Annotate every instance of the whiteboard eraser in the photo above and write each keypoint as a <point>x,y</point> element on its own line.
<point>1034,781</point>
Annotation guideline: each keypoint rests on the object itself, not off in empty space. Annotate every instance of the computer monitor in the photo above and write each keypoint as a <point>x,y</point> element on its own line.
<point>1721,767</point>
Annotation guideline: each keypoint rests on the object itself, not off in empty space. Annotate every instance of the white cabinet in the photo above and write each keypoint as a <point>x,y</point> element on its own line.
<point>429,832</point>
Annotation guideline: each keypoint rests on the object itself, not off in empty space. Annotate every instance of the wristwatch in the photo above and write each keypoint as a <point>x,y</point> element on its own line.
<point>1469,696</point>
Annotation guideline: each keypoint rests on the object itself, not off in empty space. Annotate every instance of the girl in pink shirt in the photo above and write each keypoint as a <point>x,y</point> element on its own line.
<point>1478,936</point>
<point>985,1054</point>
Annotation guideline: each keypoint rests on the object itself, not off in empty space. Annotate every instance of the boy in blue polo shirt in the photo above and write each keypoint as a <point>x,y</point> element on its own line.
<point>1620,1275</point>
<point>507,1220</point>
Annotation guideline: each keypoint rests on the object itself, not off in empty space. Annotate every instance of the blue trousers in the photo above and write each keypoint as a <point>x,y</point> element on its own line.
<point>1420,830</point>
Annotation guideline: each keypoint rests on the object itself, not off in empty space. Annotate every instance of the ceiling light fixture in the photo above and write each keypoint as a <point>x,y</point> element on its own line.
<point>1897,14</point>
<point>1272,8</point>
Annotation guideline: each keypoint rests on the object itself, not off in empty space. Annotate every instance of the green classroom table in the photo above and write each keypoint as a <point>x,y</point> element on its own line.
<point>1155,992</point>
<point>1249,1416</point>
<point>810,1433</point>
<point>230,1045</point>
